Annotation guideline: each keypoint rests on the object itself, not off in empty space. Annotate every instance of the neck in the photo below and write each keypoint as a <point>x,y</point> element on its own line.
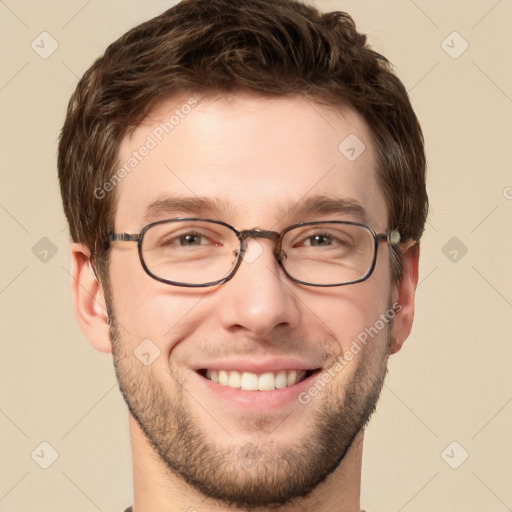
<point>156,488</point>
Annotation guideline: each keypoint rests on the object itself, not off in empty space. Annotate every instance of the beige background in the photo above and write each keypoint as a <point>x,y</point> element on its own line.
<point>452,380</point>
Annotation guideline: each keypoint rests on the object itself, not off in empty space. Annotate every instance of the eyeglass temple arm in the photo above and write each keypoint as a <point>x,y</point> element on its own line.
<point>122,237</point>
<point>393,237</point>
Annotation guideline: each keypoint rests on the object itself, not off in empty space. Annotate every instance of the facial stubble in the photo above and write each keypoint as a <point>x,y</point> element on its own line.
<point>247,475</point>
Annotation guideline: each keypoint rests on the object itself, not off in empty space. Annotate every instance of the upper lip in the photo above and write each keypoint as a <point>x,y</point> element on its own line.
<point>257,366</point>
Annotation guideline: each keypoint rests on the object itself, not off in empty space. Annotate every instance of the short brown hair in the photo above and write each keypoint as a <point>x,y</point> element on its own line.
<point>272,47</point>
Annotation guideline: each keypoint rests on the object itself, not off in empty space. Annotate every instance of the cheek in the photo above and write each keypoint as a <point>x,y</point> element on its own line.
<point>361,329</point>
<point>147,309</point>
<point>350,314</point>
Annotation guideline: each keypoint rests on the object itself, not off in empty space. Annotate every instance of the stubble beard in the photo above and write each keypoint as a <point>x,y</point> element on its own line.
<point>248,475</point>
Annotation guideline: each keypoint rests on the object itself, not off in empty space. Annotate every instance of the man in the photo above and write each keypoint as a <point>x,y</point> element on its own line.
<point>245,188</point>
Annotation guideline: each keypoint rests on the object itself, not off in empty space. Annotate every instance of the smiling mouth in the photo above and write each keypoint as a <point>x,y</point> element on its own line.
<point>247,381</point>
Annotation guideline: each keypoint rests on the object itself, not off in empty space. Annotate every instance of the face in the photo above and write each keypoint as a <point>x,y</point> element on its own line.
<point>250,162</point>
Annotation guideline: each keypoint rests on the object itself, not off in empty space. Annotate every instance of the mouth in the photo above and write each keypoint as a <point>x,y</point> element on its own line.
<point>265,381</point>
<point>254,384</point>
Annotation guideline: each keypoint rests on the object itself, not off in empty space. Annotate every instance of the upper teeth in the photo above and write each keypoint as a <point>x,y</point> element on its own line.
<point>267,381</point>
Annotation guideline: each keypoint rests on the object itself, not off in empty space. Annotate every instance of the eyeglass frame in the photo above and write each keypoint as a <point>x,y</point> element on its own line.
<point>392,237</point>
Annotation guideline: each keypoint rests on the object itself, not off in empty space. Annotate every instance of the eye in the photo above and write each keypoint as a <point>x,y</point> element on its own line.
<point>189,239</point>
<point>330,238</point>
<point>319,240</point>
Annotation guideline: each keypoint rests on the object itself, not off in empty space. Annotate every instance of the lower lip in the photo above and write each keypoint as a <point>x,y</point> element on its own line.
<point>267,400</point>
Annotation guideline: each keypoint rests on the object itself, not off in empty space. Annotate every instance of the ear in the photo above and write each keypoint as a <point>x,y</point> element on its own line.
<point>403,296</point>
<point>88,299</point>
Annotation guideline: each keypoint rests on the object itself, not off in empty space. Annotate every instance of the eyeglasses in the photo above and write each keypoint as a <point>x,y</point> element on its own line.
<point>203,252</point>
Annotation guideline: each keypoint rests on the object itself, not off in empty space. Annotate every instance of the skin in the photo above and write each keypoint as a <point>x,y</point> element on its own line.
<point>191,448</point>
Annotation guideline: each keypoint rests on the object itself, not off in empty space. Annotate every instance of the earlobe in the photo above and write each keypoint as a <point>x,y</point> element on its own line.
<point>88,299</point>
<point>404,296</point>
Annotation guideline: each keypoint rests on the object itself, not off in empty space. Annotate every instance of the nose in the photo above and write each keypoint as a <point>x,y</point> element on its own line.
<point>259,298</point>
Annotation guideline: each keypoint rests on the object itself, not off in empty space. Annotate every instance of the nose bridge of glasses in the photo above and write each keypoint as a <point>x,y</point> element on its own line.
<point>247,234</point>
<point>258,233</point>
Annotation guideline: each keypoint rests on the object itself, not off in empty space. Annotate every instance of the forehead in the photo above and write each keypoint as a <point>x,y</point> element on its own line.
<point>248,160</point>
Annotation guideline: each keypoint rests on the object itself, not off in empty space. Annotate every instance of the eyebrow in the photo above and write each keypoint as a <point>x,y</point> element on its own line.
<point>326,205</point>
<point>185,205</point>
<point>205,206</point>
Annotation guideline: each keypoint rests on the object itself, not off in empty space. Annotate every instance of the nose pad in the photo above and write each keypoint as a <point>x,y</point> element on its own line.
<point>251,251</point>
